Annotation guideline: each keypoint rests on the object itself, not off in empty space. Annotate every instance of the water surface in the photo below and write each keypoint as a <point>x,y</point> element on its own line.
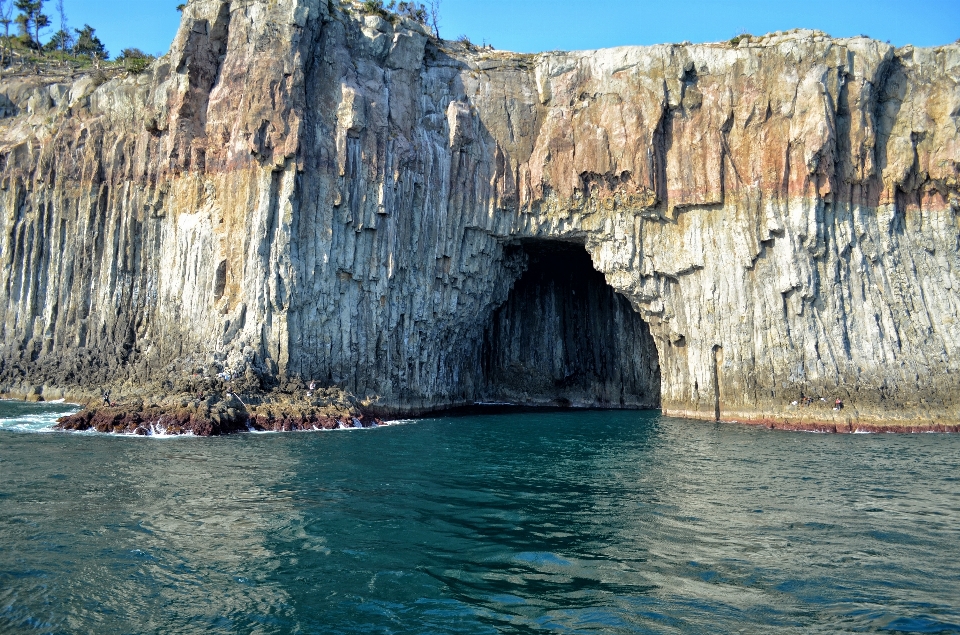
<point>569,522</point>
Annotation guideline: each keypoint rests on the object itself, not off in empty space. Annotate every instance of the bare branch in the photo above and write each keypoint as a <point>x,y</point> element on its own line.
<point>435,17</point>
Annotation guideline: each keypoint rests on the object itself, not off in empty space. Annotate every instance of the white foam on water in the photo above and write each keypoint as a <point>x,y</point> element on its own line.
<point>32,422</point>
<point>156,430</point>
<point>399,422</point>
<point>44,422</point>
<point>340,428</point>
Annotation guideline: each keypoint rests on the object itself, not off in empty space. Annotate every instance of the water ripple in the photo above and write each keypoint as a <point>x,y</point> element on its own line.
<point>579,522</point>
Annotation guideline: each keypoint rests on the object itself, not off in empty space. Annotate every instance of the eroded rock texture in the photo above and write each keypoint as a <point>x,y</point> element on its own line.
<point>297,190</point>
<point>565,337</point>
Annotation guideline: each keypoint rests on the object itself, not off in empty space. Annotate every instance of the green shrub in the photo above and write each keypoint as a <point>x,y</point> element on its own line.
<point>412,10</point>
<point>375,7</point>
<point>134,60</point>
<point>137,65</point>
<point>742,36</point>
<point>89,44</point>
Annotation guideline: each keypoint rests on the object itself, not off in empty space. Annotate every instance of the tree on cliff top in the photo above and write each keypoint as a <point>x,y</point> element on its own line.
<point>65,41</point>
<point>89,44</point>
<point>134,60</point>
<point>59,41</point>
<point>31,16</point>
<point>6,19</point>
<point>414,10</point>
<point>435,17</point>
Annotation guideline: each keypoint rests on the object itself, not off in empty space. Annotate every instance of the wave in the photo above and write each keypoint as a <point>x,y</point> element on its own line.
<point>38,422</point>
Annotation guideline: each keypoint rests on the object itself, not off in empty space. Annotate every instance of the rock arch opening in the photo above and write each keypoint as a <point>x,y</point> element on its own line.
<point>564,337</point>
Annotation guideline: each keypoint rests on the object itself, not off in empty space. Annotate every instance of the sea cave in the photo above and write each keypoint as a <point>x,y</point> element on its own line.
<point>564,337</point>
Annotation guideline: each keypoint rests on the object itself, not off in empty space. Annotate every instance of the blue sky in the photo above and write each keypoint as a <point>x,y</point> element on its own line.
<point>543,25</point>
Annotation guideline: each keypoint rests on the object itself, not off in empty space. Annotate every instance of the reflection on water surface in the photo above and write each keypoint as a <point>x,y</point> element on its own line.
<point>569,522</point>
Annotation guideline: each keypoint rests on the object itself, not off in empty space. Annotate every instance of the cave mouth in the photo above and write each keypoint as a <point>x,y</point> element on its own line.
<point>564,337</point>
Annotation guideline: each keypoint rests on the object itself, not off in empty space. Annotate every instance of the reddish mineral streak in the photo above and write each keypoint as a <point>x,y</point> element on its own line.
<point>851,428</point>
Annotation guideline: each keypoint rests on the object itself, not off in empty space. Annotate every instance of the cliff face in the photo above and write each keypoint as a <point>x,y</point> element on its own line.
<point>296,191</point>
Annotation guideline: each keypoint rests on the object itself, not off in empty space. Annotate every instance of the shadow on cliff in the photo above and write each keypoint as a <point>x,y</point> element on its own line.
<point>565,337</point>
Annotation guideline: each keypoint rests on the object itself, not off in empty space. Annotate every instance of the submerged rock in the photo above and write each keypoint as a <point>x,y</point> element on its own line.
<point>297,191</point>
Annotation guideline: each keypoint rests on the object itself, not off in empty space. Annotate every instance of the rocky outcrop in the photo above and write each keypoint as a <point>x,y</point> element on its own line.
<point>300,191</point>
<point>216,414</point>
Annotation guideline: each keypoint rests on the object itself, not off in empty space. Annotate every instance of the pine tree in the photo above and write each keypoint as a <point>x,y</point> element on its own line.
<point>89,44</point>
<point>6,13</point>
<point>59,41</point>
<point>32,15</point>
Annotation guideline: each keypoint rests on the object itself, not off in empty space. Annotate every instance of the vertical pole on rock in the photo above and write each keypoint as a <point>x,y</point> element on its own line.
<point>717,360</point>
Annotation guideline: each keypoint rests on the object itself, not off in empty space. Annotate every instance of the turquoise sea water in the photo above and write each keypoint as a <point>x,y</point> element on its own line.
<point>570,522</point>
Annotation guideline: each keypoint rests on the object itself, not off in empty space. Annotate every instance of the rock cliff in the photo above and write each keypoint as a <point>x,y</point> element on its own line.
<point>299,191</point>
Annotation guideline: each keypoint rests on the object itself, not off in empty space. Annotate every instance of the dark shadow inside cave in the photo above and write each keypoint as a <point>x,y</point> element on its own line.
<point>564,337</point>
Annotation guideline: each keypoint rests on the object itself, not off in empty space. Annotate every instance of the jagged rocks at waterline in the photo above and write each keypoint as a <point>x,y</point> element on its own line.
<point>179,421</point>
<point>222,411</point>
<point>300,191</point>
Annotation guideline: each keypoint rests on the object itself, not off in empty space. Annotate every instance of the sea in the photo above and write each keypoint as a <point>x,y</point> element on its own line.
<point>489,522</point>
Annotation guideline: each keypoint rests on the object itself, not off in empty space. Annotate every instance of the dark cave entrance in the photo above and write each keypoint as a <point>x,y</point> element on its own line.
<point>564,337</point>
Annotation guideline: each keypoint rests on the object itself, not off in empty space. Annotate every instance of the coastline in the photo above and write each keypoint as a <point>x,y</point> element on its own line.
<point>849,420</point>
<point>145,421</point>
<point>214,411</point>
<point>221,410</point>
<point>849,428</point>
